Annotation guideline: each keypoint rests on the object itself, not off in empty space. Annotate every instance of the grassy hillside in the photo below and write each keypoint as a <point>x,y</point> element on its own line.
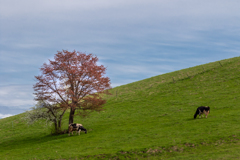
<point>148,119</point>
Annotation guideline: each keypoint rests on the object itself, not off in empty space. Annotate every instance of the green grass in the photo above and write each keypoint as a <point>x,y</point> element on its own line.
<point>148,119</point>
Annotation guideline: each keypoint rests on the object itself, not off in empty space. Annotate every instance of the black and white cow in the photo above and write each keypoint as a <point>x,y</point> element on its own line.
<point>76,127</point>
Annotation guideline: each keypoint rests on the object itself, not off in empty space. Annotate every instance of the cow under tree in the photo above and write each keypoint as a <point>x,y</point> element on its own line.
<point>74,81</point>
<point>76,127</point>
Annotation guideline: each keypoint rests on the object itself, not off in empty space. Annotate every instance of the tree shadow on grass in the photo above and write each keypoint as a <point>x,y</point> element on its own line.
<point>31,141</point>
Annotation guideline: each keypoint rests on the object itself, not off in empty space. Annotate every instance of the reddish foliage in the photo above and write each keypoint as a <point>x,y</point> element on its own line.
<point>72,80</point>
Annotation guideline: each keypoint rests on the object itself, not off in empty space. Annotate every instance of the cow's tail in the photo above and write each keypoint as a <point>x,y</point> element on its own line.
<point>195,115</point>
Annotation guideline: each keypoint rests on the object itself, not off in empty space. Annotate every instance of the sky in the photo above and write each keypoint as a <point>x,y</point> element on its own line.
<point>135,39</point>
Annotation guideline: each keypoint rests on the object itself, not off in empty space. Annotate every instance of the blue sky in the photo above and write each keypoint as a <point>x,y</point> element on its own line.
<point>134,39</point>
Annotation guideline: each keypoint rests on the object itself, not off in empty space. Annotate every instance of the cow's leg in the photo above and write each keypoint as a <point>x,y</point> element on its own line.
<point>206,113</point>
<point>78,129</point>
<point>200,113</point>
<point>69,131</point>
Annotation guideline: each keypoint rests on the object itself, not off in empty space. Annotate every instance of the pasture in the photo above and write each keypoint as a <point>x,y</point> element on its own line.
<point>148,119</point>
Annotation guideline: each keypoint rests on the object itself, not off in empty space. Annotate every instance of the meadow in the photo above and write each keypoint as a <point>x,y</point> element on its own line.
<point>147,119</point>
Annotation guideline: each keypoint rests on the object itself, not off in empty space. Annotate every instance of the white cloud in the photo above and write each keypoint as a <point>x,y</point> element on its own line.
<point>16,95</point>
<point>126,11</point>
<point>5,115</point>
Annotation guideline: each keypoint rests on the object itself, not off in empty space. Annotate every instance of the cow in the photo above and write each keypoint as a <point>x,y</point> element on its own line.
<point>202,110</point>
<point>76,127</point>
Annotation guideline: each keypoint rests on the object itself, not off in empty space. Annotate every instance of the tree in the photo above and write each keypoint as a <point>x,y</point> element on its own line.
<point>48,112</point>
<point>74,81</point>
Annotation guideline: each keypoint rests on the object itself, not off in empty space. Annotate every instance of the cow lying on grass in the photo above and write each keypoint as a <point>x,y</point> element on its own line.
<point>76,127</point>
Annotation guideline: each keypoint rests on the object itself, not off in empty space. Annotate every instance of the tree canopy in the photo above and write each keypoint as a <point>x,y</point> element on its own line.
<point>73,80</point>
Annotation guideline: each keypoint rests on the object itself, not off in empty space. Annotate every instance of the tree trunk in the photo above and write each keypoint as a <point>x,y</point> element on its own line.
<point>71,116</point>
<point>55,125</point>
<point>60,120</point>
<point>59,126</point>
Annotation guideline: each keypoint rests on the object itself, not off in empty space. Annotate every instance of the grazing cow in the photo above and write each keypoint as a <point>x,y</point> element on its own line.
<point>76,127</point>
<point>202,110</point>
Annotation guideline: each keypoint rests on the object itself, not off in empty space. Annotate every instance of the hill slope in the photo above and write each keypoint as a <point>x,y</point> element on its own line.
<point>150,118</point>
